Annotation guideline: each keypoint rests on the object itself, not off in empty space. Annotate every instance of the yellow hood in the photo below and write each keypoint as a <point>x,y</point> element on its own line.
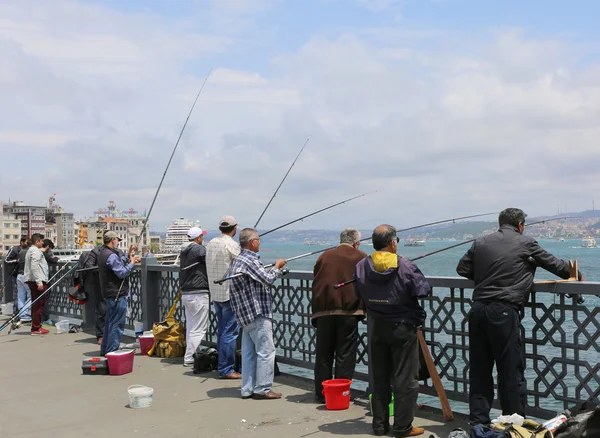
<point>383,260</point>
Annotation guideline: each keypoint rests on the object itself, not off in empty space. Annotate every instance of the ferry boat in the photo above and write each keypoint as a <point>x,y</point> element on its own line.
<point>414,242</point>
<point>177,234</point>
<point>68,255</point>
<point>588,242</point>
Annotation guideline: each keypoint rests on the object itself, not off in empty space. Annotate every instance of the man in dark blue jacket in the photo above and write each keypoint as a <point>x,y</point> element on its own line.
<point>502,265</point>
<point>195,296</point>
<point>390,286</point>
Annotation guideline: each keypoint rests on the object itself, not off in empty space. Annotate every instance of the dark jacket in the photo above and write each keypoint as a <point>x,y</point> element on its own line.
<point>21,262</point>
<point>12,260</point>
<point>110,284</point>
<point>393,294</point>
<point>194,279</point>
<point>336,266</point>
<point>89,278</point>
<point>51,259</point>
<point>502,265</point>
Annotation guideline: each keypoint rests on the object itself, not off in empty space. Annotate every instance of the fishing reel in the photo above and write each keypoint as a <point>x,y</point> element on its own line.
<point>285,271</point>
<point>580,298</point>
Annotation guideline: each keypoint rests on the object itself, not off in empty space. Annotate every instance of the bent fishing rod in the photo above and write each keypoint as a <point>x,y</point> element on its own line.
<point>297,220</point>
<point>281,183</point>
<point>345,283</point>
<point>31,303</point>
<point>166,170</point>
<point>361,240</point>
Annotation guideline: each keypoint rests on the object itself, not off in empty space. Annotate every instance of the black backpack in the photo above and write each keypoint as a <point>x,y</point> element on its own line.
<point>205,360</point>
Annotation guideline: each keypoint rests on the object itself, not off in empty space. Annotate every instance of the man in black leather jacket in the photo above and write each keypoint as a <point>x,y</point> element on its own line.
<point>502,265</point>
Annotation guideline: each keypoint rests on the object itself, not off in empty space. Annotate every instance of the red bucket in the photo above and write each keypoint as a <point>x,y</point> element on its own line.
<point>337,394</point>
<point>146,343</point>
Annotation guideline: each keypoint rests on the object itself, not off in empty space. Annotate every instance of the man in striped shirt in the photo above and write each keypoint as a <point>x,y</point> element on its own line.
<point>220,252</point>
<point>251,304</point>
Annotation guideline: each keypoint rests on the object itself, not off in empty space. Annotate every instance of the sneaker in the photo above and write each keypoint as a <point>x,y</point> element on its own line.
<point>44,331</point>
<point>416,431</point>
<point>188,364</point>
<point>40,332</point>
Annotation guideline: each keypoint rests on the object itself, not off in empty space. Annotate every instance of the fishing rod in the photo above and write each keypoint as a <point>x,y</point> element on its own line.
<point>316,212</point>
<point>281,183</point>
<point>31,303</point>
<point>165,172</point>
<point>297,220</point>
<point>339,285</point>
<point>361,240</point>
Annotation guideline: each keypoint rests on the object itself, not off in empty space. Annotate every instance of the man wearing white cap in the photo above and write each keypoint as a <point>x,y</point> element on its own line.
<point>220,252</point>
<point>193,282</point>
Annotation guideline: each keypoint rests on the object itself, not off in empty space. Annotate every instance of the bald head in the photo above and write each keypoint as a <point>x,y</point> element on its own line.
<point>384,236</point>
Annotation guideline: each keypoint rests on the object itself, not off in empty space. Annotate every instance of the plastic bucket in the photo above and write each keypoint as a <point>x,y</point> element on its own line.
<point>120,362</point>
<point>337,394</point>
<point>146,343</point>
<point>62,326</point>
<point>140,396</point>
<point>6,309</point>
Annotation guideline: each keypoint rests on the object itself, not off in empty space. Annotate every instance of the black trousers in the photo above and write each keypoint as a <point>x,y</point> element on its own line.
<point>394,364</point>
<point>495,336</point>
<point>337,338</point>
<point>100,304</point>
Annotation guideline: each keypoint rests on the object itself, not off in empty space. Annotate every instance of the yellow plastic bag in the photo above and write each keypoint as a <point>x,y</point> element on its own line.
<point>169,335</point>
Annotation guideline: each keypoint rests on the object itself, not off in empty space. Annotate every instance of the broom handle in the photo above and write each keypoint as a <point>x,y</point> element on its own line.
<point>435,378</point>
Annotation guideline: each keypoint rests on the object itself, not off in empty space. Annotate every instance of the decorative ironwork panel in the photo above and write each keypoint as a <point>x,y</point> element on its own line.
<point>134,302</point>
<point>58,297</point>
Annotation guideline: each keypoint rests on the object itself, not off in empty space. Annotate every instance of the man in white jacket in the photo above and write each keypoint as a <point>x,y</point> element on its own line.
<point>36,277</point>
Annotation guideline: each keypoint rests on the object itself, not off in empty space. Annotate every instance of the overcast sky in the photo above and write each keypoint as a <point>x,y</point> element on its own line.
<point>445,107</point>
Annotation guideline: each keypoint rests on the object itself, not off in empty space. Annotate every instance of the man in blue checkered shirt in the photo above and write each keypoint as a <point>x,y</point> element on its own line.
<point>251,305</point>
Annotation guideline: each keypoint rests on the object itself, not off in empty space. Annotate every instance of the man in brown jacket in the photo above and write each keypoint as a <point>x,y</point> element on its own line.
<point>335,313</point>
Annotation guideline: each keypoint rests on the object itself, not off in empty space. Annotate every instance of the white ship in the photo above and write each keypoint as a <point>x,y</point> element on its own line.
<point>588,242</point>
<point>177,234</point>
<point>414,242</point>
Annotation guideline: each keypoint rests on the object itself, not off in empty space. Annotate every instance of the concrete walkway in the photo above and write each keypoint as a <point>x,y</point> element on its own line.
<point>44,394</point>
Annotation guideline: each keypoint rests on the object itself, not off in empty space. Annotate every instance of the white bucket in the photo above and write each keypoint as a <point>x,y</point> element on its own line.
<point>140,396</point>
<point>6,309</point>
<point>62,326</point>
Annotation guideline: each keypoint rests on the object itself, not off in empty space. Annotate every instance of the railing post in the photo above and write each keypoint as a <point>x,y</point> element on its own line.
<point>150,292</point>
<point>8,294</point>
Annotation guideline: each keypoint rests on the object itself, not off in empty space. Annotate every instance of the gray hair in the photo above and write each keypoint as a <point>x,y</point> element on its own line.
<point>246,235</point>
<point>383,236</point>
<point>350,236</point>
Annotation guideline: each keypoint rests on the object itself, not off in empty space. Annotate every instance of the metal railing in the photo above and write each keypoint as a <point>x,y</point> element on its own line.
<point>561,338</point>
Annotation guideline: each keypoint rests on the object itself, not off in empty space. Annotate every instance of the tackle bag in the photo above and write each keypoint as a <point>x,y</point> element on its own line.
<point>205,360</point>
<point>583,421</point>
<point>529,429</point>
<point>169,336</point>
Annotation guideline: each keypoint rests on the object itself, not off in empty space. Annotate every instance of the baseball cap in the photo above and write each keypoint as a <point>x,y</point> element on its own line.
<point>227,221</point>
<point>196,232</point>
<point>110,235</point>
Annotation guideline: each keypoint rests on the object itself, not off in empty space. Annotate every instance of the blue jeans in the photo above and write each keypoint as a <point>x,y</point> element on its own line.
<point>258,357</point>
<point>23,297</point>
<point>227,332</point>
<point>116,312</point>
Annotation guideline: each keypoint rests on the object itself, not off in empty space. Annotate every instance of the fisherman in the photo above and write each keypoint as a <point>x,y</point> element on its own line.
<point>195,294</point>
<point>251,304</point>
<point>336,312</point>
<point>220,252</point>
<point>35,275</point>
<point>12,261</point>
<point>113,269</point>
<point>91,285</point>
<point>390,286</point>
<point>23,292</point>
<point>502,265</point>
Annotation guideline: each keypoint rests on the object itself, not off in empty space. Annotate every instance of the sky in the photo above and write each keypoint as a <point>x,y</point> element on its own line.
<point>444,107</point>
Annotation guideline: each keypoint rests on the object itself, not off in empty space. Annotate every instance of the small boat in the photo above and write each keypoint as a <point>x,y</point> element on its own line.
<point>588,242</point>
<point>414,242</point>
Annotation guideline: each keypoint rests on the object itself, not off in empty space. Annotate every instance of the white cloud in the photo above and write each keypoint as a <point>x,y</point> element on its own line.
<point>468,124</point>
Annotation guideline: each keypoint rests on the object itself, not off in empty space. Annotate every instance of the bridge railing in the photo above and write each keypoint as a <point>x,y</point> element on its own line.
<point>561,338</point>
